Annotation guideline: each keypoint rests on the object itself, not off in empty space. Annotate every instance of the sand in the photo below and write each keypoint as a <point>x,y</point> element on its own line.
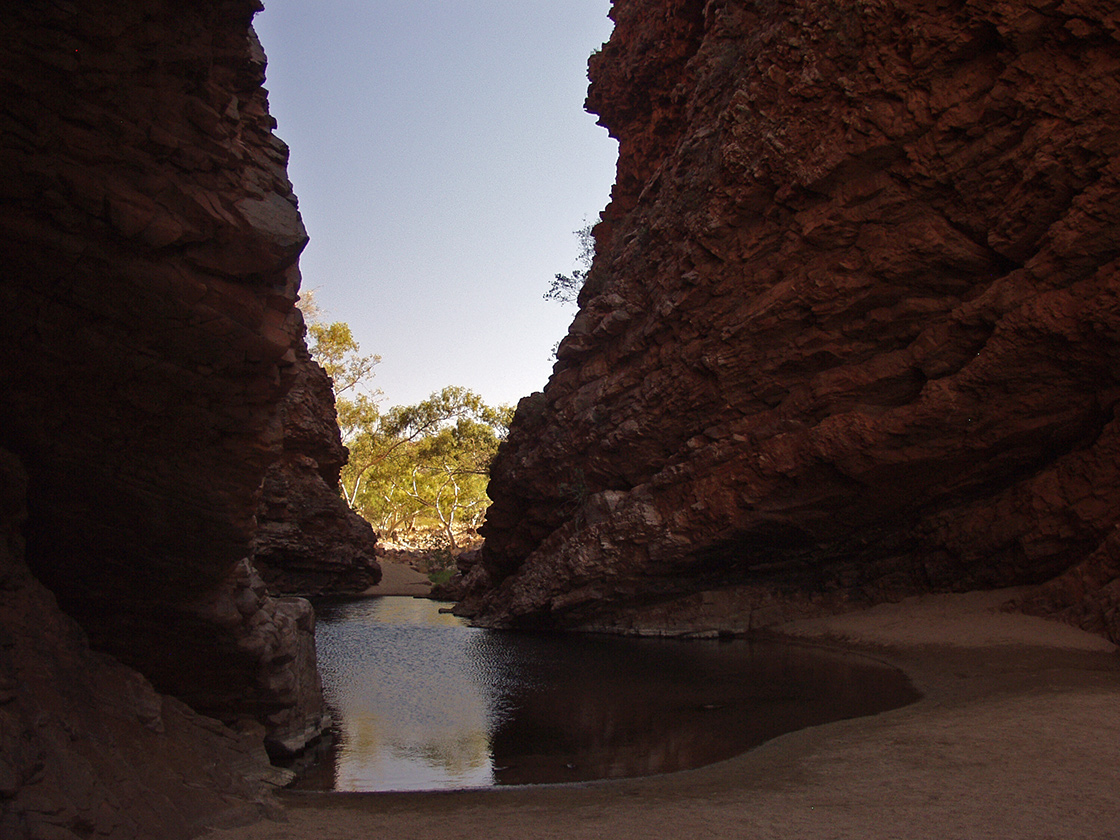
<point>400,579</point>
<point>1017,736</point>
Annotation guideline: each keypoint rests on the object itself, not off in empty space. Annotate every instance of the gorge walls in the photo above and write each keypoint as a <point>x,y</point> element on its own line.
<point>150,239</point>
<point>852,331</point>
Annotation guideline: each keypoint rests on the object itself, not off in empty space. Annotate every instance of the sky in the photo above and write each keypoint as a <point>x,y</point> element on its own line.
<point>443,162</point>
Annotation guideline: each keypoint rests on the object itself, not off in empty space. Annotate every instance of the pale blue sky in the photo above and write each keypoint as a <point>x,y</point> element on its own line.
<point>442,159</point>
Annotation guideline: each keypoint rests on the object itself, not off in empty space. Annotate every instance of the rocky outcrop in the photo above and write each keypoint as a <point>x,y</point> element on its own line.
<point>308,540</point>
<point>852,330</point>
<point>151,240</point>
<point>87,746</point>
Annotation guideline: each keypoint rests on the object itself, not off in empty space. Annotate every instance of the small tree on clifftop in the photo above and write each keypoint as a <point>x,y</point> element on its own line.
<point>565,288</point>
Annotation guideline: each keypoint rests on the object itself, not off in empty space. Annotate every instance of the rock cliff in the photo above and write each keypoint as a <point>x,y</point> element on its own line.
<point>87,746</point>
<point>150,239</point>
<point>308,540</point>
<point>852,330</point>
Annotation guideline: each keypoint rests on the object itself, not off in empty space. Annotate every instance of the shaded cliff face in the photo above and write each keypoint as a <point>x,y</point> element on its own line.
<point>852,327</point>
<point>151,240</point>
<point>87,746</point>
<point>308,540</point>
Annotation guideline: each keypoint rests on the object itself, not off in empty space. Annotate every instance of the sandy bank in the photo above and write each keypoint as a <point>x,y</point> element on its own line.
<point>1017,736</point>
<point>400,579</point>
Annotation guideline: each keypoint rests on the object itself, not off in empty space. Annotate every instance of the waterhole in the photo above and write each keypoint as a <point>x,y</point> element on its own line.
<point>421,701</point>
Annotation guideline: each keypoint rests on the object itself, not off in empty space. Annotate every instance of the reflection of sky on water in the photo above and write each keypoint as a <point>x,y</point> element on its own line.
<point>423,702</point>
<point>414,702</point>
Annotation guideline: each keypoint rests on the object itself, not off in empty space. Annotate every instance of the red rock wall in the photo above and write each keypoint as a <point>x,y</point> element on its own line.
<point>308,540</point>
<point>150,241</point>
<point>852,327</point>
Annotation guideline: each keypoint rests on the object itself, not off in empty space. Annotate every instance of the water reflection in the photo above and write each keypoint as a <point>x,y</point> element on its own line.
<point>421,701</point>
<point>412,705</point>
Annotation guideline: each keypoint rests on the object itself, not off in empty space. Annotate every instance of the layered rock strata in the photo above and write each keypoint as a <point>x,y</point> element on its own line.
<point>852,330</point>
<point>308,540</point>
<point>151,239</point>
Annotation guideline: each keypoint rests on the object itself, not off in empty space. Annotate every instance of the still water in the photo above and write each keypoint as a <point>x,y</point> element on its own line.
<point>421,701</point>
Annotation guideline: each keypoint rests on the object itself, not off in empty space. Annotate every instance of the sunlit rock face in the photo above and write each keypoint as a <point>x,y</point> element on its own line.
<point>151,240</point>
<point>852,327</point>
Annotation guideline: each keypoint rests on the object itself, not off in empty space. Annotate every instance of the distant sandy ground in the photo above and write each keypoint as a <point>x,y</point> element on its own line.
<point>1017,737</point>
<point>400,579</point>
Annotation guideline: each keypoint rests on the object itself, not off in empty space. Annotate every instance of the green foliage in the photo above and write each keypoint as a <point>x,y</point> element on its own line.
<point>442,576</point>
<point>334,347</point>
<point>425,466</point>
<point>416,469</point>
<point>565,288</point>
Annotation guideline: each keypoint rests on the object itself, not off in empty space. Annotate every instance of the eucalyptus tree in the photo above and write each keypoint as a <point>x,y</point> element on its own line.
<point>426,464</point>
<point>422,466</point>
<point>565,288</point>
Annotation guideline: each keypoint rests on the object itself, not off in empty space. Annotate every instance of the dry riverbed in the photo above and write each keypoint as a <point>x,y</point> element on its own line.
<point>1017,736</point>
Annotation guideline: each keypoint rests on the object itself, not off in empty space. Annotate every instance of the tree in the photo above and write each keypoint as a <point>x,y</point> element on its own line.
<point>334,347</point>
<point>565,288</point>
<point>426,464</point>
<point>309,306</point>
<point>417,466</point>
<point>336,350</point>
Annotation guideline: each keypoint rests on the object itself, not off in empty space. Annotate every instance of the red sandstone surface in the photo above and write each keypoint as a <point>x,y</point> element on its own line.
<point>153,378</point>
<point>851,334</point>
<point>852,327</point>
<point>308,541</point>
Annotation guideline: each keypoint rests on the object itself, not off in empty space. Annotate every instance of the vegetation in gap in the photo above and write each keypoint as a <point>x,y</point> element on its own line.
<point>417,473</point>
<point>423,468</point>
